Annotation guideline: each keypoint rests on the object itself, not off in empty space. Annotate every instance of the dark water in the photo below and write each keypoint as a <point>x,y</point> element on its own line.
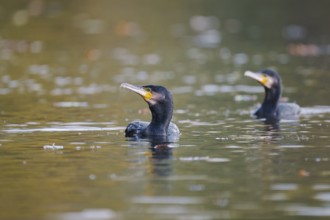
<point>63,154</point>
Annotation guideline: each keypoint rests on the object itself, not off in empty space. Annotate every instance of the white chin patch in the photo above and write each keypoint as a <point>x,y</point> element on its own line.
<point>152,102</point>
<point>156,98</point>
<point>270,82</point>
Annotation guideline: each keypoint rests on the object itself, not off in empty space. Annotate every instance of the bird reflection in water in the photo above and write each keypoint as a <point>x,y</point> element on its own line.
<point>159,155</point>
<point>274,132</point>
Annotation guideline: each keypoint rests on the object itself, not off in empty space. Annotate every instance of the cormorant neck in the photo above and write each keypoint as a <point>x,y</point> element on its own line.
<point>269,105</point>
<point>161,117</point>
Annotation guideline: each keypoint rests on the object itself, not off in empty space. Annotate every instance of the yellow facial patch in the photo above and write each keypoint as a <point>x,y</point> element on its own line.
<point>267,81</point>
<point>147,95</point>
<point>264,80</point>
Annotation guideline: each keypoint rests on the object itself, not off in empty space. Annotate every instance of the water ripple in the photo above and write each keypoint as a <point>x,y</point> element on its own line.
<point>179,200</point>
<point>325,196</point>
<point>308,210</point>
<point>315,110</point>
<point>64,127</point>
<point>88,214</point>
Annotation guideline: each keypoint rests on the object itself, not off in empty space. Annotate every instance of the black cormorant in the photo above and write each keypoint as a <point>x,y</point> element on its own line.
<point>271,109</point>
<point>160,103</point>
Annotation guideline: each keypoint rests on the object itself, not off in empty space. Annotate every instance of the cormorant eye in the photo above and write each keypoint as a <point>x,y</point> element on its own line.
<point>148,89</point>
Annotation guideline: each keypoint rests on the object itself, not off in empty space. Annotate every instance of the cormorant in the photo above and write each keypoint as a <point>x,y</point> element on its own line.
<point>271,109</point>
<point>160,103</point>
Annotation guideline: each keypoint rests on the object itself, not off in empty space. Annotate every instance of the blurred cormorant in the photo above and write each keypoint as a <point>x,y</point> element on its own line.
<point>271,109</point>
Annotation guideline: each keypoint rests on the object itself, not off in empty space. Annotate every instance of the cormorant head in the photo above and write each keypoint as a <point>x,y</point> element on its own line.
<point>151,94</point>
<point>267,78</point>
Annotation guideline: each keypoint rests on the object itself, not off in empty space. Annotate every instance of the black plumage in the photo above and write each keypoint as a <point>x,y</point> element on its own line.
<point>271,108</point>
<point>160,103</point>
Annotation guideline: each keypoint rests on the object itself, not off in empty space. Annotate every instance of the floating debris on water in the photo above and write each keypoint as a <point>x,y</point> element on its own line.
<point>70,104</point>
<point>207,158</point>
<point>92,177</point>
<point>95,147</point>
<point>53,147</point>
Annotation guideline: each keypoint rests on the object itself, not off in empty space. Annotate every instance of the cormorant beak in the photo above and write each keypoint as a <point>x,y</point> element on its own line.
<point>142,91</point>
<point>263,79</point>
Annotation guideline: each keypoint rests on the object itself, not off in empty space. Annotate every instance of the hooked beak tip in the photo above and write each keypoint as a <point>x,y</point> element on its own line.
<point>137,89</point>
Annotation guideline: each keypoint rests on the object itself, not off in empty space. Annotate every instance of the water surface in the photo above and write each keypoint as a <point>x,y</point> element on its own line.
<point>62,147</point>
